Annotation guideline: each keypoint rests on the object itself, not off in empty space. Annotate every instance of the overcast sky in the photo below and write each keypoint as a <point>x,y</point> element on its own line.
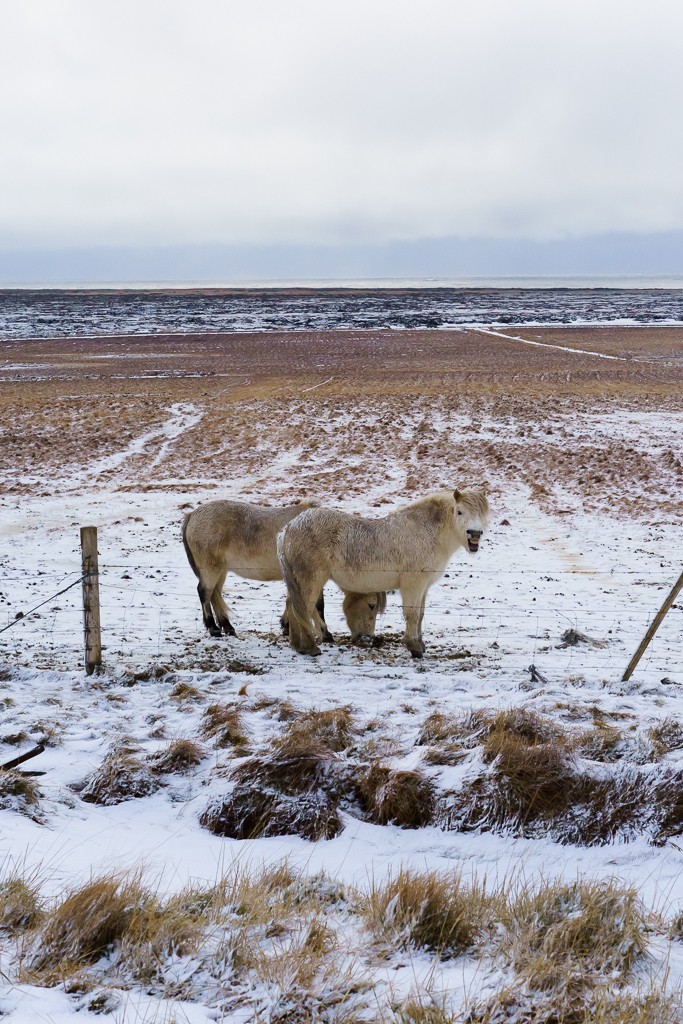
<point>337,122</point>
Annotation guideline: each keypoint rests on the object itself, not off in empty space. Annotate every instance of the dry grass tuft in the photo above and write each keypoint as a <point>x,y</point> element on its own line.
<point>19,792</point>
<point>451,737</point>
<point>417,1010</point>
<point>87,923</point>
<point>15,738</point>
<point>20,905</point>
<point>293,789</point>
<point>525,727</point>
<point>392,796</point>
<point>185,691</point>
<point>257,812</point>
<point>333,728</point>
<point>223,723</point>
<point>567,937</point>
<point>440,727</point>
<point>180,756</point>
<point>538,791</point>
<point>599,1005</point>
<point>603,743</point>
<point>666,736</point>
<point>534,777</point>
<point>435,912</point>
<point>653,1007</point>
<point>530,776</point>
<point>158,932</point>
<point>120,777</point>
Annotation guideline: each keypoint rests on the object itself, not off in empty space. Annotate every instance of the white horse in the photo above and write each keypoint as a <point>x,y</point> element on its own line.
<point>407,550</point>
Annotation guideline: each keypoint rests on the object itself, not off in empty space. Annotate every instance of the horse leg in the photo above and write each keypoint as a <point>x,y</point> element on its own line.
<point>302,636</point>
<point>413,609</point>
<point>319,620</point>
<point>220,608</point>
<point>205,600</point>
<point>422,613</point>
<point>284,621</point>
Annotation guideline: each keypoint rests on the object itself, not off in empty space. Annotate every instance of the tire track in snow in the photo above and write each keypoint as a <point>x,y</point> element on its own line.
<point>560,348</point>
<point>183,417</point>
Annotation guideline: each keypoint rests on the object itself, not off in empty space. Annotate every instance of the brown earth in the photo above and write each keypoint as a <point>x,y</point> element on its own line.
<point>359,413</point>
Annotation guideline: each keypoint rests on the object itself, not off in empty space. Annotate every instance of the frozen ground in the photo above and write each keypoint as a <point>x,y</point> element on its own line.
<point>53,313</point>
<point>550,562</point>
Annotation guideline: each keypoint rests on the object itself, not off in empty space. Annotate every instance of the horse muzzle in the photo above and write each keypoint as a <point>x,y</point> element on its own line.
<point>473,538</point>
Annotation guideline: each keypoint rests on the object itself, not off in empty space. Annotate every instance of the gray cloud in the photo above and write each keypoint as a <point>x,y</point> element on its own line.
<point>161,123</point>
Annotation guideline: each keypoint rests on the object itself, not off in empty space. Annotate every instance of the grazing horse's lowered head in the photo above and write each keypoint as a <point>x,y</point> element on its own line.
<point>471,517</point>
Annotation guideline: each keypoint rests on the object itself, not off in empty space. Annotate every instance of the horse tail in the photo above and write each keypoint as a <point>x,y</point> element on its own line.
<point>297,605</point>
<point>188,549</point>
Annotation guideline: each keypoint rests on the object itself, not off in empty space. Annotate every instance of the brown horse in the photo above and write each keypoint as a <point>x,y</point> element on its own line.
<point>407,550</point>
<point>224,536</point>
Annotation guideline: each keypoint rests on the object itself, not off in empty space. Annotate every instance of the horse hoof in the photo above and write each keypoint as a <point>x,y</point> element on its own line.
<point>416,654</point>
<point>229,631</point>
<point>327,637</point>
<point>313,652</point>
<point>378,641</point>
<point>213,631</point>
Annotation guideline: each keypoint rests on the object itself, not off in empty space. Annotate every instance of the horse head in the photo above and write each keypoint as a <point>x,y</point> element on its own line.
<point>471,516</point>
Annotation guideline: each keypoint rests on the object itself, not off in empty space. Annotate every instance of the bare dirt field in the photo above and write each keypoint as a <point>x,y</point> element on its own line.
<point>342,412</point>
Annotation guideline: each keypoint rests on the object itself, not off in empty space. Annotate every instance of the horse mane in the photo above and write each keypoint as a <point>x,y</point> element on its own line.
<point>475,501</point>
<point>441,503</point>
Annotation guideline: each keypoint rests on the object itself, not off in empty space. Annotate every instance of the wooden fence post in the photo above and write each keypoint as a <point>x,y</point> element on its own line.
<point>91,599</point>
<point>654,626</point>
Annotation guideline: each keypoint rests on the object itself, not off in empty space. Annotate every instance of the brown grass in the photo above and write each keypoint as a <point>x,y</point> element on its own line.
<point>666,736</point>
<point>87,923</point>
<point>15,738</point>
<point>256,812</point>
<point>120,777</point>
<point>20,905</point>
<point>421,1009</point>
<point>20,793</point>
<point>598,1005</point>
<point>569,936</point>
<point>440,727</point>
<point>180,756</point>
<point>185,691</point>
<point>431,911</point>
<point>395,797</point>
<point>535,786</point>
<point>160,931</point>
<point>519,724</point>
<point>292,789</point>
<point>334,728</point>
<point>301,949</point>
<point>224,724</point>
<point>603,743</point>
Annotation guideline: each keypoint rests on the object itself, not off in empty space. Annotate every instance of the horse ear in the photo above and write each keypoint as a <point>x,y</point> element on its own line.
<point>456,494</point>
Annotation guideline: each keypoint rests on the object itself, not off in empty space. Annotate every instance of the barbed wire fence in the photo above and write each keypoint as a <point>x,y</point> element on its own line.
<point>152,614</point>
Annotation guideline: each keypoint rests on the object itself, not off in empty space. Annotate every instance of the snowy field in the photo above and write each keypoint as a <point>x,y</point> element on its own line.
<point>567,580</point>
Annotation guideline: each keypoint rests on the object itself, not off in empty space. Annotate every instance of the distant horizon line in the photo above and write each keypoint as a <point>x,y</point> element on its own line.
<point>497,281</point>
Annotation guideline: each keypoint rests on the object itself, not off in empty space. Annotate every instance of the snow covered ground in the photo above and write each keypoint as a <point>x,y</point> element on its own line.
<point>498,612</point>
<point>542,569</point>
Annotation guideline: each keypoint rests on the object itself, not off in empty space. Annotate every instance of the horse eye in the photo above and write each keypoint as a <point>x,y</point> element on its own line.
<point>371,607</point>
<point>459,512</point>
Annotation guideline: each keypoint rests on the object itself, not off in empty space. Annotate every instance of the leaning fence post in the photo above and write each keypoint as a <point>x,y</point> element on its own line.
<point>654,626</point>
<point>91,599</point>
